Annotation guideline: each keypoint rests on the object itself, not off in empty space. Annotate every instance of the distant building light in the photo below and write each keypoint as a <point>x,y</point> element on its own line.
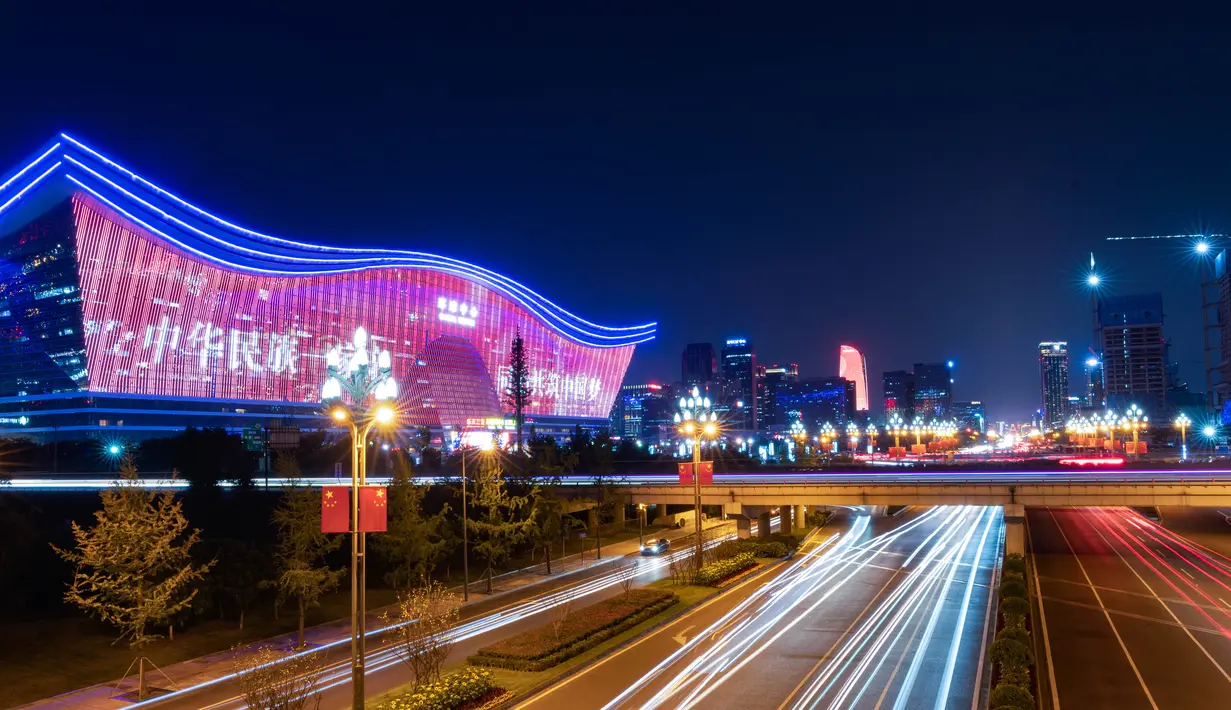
<point>950,364</point>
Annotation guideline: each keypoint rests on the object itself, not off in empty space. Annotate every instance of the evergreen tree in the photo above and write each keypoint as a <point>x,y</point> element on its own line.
<point>549,520</point>
<point>502,520</point>
<point>414,543</point>
<point>134,568</point>
<point>303,573</point>
<point>607,486</point>
<point>518,393</point>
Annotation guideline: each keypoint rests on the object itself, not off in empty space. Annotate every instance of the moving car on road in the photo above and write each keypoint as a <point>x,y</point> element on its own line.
<point>656,548</point>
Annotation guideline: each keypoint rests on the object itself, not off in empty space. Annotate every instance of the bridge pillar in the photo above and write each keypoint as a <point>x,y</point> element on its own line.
<point>798,518</point>
<point>743,527</point>
<point>763,525</point>
<point>617,516</point>
<point>1015,529</point>
<point>784,523</point>
<point>592,520</point>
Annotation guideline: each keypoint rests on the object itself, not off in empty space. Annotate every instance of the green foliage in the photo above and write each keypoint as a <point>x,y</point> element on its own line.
<point>1012,589</point>
<point>452,691</point>
<point>303,574</point>
<point>551,643</point>
<point>1017,634</point>
<point>1005,695</point>
<point>414,542</point>
<point>1014,562</point>
<point>1013,577</point>
<point>133,569</point>
<point>1015,675</point>
<point>715,572</point>
<point>501,520</point>
<point>1015,608</point>
<point>1010,653</point>
<point>238,575</point>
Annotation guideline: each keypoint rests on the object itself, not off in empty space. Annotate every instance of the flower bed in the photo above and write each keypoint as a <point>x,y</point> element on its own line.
<point>470,689</point>
<point>546,646</point>
<point>715,572</point>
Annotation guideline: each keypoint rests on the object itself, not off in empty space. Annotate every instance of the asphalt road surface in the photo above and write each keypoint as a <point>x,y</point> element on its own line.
<point>890,613</point>
<point>1133,615</point>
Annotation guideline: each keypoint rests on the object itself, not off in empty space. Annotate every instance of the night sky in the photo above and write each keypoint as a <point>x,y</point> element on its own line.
<point>924,187</point>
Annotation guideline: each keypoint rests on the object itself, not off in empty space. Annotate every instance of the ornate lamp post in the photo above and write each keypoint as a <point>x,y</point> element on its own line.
<point>1183,422</point>
<point>359,393</point>
<point>1135,421</point>
<point>828,434</point>
<point>695,420</point>
<point>852,436</point>
<point>917,428</point>
<point>872,433</point>
<point>896,426</point>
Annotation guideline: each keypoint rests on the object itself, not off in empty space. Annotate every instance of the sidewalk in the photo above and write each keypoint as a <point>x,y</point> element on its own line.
<point>217,667</point>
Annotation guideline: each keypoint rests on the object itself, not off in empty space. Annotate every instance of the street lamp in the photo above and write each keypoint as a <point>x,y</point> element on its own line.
<point>359,392</point>
<point>828,434</point>
<point>917,428</point>
<point>696,420</point>
<point>896,426</point>
<point>1183,423</point>
<point>852,436</point>
<point>1134,420</point>
<point>872,432</point>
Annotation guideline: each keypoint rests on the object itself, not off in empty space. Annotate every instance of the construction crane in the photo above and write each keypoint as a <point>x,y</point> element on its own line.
<point>1201,245</point>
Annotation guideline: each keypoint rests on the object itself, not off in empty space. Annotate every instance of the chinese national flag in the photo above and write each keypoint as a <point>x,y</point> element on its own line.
<point>373,509</point>
<point>707,473</point>
<point>335,509</point>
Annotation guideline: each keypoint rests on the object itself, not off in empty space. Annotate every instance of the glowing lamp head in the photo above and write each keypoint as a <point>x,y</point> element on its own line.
<point>1209,431</point>
<point>711,429</point>
<point>1093,280</point>
<point>114,449</point>
<point>689,428</point>
<point>1201,246</point>
<point>384,415</point>
<point>339,415</point>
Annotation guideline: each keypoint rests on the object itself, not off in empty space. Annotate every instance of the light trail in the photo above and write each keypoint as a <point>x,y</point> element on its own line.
<point>380,659</point>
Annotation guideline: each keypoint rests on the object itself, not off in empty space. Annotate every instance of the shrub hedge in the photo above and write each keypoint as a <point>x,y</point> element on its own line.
<point>1006,695</point>
<point>450,692</point>
<point>1012,589</point>
<point>715,572</point>
<point>1015,610</point>
<point>541,648</point>
<point>1014,562</point>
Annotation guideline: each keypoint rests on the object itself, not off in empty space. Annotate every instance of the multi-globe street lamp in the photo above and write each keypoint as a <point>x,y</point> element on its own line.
<point>1182,422</point>
<point>696,420</point>
<point>852,436</point>
<point>1135,421</point>
<point>872,433</point>
<point>897,427</point>
<point>358,393</point>
<point>828,434</point>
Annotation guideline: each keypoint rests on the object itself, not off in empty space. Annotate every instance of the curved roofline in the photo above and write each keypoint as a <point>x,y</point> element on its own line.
<point>69,163</point>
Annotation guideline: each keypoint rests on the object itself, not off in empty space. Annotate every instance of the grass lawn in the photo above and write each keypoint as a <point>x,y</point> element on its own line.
<point>519,682</point>
<point>43,658</point>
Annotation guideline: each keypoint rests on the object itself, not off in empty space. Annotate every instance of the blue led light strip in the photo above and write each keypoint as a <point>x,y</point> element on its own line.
<point>29,187</point>
<point>505,283</point>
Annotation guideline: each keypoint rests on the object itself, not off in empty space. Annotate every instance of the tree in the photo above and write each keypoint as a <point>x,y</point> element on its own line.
<point>303,574</point>
<point>518,393</point>
<point>550,520</point>
<point>421,623</point>
<point>606,485</point>
<point>134,567</point>
<point>502,520</point>
<point>238,575</point>
<point>270,680</point>
<point>414,543</point>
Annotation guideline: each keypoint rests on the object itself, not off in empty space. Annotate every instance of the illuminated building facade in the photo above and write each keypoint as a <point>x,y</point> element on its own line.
<point>933,390</point>
<point>817,401</point>
<point>629,413</point>
<point>739,364</point>
<point>122,305</point>
<point>1054,382</point>
<point>1134,351</point>
<point>853,366</point>
<point>699,368</point>
<point>971,415</point>
<point>899,394</point>
<point>770,379</point>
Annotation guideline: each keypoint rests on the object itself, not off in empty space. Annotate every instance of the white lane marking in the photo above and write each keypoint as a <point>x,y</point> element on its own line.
<point>1038,590</point>
<point>1190,574</point>
<point>682,637</point>
<point>1106,615</point>
<point>987,619</point>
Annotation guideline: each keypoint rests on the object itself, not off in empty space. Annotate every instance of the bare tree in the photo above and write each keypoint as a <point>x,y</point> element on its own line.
<point>628,575</point>
<point>422,621</point>
<point>271,680</point>
<point>562,614</point>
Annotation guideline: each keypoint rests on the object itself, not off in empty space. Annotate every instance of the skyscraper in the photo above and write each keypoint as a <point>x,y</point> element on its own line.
<point>739,364</point>
<point>1054,380</point>
<point>817,401</point>
<point>699,368</point>
<point>853,366</point>
<point>768,416</point>
<point>1134,351</point>
<point>628,414</point>
<point>899,394</point>
<point>1094,381</point>
<point>971,415</point>
<point>933,390</point>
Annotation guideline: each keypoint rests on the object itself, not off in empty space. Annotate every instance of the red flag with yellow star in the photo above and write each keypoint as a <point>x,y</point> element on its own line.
<point>373,509</point>
<point>335,509</point>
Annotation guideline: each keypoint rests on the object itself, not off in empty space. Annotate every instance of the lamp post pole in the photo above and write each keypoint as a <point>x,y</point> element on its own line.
<point>465,537</point>
<point>695,420</point>
<point>696,492</point>
<point>361,375</point>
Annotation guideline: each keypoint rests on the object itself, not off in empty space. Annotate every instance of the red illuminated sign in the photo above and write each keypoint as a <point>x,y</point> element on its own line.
<point>707,473</point>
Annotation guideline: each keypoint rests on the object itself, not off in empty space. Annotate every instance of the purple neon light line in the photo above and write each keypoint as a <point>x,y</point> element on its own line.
<point>29,187</point>
<point>374,262</point>
<point>314,247</point>
<point>329,272</point>
<point>27,169</point>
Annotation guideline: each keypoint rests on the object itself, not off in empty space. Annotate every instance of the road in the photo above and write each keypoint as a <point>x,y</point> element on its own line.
<point>1133,615</point>
<point>887,613</point>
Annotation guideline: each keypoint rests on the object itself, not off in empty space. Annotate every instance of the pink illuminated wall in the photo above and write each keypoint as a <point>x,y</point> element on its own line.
<point>158,321</point>
<point>851,366</point>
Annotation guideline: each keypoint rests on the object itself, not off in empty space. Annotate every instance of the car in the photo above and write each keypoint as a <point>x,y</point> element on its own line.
<point>656,547</point>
